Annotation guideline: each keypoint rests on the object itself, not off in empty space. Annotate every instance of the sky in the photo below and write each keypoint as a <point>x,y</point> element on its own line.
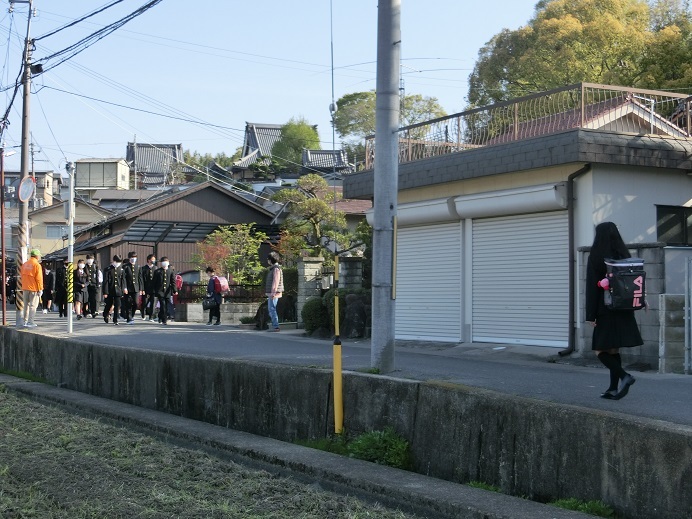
<point>195,72</point>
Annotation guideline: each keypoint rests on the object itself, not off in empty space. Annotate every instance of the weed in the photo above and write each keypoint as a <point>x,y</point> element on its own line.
<point>483,486</point>
<point>23,375</point>
<point>383,447</point>
<point>597,508</point>
<point>336,444</point>
<point>372,371</point>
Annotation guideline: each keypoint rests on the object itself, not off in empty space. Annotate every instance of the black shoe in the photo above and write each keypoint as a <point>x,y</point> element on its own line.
<point>79,317</point>
<point>609,394</point>
<point>116,323</point>
<point>625,386</point>
<point>209,323</point>
<point>217,323</point>
<point>105,319</point>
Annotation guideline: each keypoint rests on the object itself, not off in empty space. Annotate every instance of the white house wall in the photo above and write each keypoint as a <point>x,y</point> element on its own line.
<point>628,197</point>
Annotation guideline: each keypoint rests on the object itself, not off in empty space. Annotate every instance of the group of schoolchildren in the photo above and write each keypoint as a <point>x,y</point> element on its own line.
<point>125,286</point>
<point>124,283</point>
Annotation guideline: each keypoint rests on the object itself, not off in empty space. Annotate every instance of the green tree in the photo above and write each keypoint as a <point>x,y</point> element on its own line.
<point>233,250</point>
<point>567,41</point>
<point>313,217</point>
<point>355,115</point>
<point>296,135</point>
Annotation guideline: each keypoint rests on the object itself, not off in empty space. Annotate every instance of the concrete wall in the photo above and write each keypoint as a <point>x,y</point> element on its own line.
<point>230,312</point>
<point>531,448</point>
<point>671,343</point>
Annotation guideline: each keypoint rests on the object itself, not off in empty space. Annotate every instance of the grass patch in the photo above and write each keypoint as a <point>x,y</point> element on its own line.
<point>597,508</point>
<point>483,486</point>
<point>382,447</point>
<point>57,465</point>
<point>371,371</point>
<point>23,375</point>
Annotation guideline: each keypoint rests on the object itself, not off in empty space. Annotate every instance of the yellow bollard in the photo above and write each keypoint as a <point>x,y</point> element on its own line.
<point>338,380</point>
<point>70,286</point>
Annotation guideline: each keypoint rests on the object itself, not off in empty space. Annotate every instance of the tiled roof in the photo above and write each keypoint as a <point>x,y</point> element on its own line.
<point>154,162</point>
<point>325,160</point>
<point>259,141</point>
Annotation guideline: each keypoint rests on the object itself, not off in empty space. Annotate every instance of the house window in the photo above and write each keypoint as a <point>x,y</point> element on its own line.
<point>674,224</point>
<point>55,232</point>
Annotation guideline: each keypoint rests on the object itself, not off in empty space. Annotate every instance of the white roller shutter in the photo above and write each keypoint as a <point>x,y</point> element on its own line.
<point>428,283</point>
<point>520,279</point>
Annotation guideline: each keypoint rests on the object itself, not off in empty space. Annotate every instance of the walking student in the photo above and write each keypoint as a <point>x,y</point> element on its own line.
<point>48,289</point>
<point>113,289</point>
<point>32,286</point>
<point>146,283</point>
<point>274,287</point>
<point>164,288</point>
<point>81,292</point>
<point>61,288</point>
<point>132,280</point>
<point>212,292</point>
<point>613,329</point>
<point>95,279</point>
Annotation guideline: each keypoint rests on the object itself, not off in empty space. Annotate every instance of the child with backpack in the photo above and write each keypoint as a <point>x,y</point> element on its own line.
<point>214,291</point>
<point>613,328</point>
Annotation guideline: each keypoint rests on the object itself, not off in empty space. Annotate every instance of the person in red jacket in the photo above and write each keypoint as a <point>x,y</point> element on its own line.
<point>32,286</point>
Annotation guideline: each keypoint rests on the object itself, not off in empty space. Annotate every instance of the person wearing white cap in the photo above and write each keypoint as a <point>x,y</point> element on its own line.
<point>32,286</point>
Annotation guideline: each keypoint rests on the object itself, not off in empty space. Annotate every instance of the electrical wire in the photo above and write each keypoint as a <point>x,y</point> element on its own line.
<point>78,20</point>
<point>88,41</point>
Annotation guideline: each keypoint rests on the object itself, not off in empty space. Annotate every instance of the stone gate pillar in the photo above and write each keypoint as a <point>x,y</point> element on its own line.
<point>309,283</point>
<point>350,272</point>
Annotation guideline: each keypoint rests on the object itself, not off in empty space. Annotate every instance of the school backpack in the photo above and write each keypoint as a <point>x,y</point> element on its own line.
<point>221,285</point>
<point>626,284</point>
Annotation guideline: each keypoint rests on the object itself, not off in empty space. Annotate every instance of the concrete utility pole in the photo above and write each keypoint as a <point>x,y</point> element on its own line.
<point>23,227</point>
<point>70,247</point>
<point>386,183</point>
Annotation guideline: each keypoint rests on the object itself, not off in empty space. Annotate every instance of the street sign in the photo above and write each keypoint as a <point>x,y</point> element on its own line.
<point>26,189</point>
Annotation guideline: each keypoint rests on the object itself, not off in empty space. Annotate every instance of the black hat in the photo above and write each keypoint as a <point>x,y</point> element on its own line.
<point>117,258</point>
<point>132,254</point>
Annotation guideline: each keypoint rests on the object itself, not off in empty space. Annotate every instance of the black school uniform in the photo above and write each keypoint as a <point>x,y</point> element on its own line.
<point>113,283</point>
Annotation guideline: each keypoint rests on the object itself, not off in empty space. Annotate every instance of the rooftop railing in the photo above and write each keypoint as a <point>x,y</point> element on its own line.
<point>584,105</point>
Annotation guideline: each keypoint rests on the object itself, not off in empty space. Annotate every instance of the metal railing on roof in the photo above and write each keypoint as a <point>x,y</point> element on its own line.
<point>584,105</point>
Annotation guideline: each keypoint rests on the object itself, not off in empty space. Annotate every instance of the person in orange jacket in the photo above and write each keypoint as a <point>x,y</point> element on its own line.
<point>32,286</point>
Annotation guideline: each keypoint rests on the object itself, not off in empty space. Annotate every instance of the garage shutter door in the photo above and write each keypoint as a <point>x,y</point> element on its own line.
<point>520,279</point>
<point>428,273</point>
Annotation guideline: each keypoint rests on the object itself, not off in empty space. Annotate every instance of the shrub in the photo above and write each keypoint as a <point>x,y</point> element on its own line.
<point>328,301</point>
<point>248,319</point>
<point>314,315</point>
<point>383,447</point>
<point>597,508</point>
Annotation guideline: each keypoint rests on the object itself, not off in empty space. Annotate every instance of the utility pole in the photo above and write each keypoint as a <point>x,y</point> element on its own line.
<point>386,184</point>
<point>70,247</point>
<point>23,227</point>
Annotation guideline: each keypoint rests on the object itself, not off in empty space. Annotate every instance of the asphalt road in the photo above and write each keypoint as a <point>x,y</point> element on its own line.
<point>532,372</point>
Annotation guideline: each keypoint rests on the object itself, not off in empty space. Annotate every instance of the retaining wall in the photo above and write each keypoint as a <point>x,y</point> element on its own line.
<point>526,447</point>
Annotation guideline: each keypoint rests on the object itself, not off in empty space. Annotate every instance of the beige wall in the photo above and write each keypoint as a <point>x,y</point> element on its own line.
<point>55,215</point>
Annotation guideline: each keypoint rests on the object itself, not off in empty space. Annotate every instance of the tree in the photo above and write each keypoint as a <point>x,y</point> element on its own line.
<point>233,250</point>
<point>296,135</point>
<point>312,216</point>
<point>567,41</point>
<point>355,115</point>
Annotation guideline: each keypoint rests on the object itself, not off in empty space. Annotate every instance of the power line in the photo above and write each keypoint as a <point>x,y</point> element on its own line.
<point>88,41</point>
<point>78,20</point>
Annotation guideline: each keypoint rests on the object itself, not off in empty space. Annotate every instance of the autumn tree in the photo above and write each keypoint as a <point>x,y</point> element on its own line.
<point>573,41</point>
<point>232,250</point>
<point>312,216</point>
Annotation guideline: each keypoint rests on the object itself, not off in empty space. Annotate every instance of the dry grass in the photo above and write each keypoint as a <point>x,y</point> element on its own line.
<point>54,464</point>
